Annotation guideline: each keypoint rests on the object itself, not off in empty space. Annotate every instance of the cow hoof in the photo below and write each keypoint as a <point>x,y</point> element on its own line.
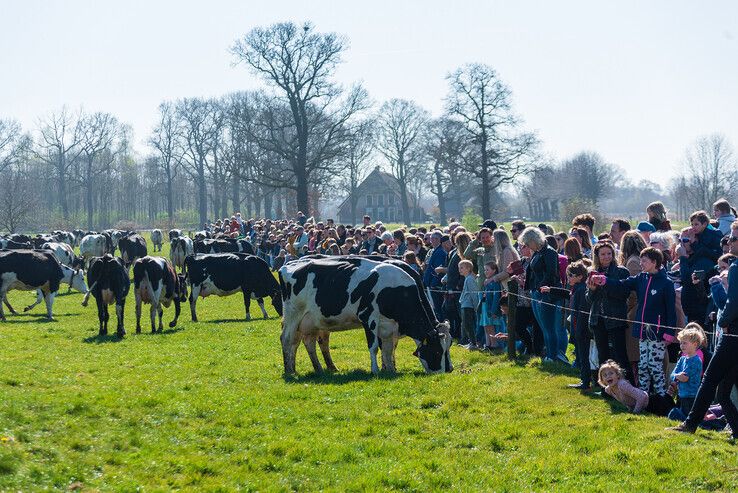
<point>332,369</point>
<point>138,330</point>
<point>172,324</point>
<point>120,333</point>
<point>24,310</point>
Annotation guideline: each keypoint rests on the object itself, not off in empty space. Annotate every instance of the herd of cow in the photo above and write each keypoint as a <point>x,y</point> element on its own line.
<point>315,295</point>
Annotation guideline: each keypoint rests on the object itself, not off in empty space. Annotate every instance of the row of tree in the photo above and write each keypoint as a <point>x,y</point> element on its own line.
<point>301,138</point>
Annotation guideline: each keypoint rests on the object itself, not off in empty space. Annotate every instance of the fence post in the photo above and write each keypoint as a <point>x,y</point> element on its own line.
<point>512,312</point>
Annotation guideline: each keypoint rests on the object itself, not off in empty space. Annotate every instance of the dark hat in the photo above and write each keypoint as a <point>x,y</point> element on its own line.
<point>445,238</point>
<point>488,223</point>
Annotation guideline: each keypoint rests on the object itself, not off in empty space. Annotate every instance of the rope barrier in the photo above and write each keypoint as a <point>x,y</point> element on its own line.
<point>572,310</point>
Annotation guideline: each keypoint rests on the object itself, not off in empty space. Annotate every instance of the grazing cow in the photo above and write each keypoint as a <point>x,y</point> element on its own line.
<point>8,244</point>
<point>223,246</point>
<point>131,248</point>
<point>323,337</point>
<point>32,270</point>
<point>156,282</point>
<point>179,249</point>
<point>93,245</point>
<point>157,238</point>
<point>109,283</point>
<point>223,274</point>
<point>63,253</point>
<point>340,293</point>
<point>174,233</point>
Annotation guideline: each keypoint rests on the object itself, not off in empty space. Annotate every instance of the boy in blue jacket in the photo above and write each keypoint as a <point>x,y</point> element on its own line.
<point>655,318</point>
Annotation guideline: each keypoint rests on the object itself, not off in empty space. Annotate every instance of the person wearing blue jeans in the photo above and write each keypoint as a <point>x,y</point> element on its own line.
<point>543,270</point>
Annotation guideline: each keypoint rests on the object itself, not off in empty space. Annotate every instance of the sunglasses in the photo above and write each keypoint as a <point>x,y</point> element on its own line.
<point>684,240</point>
<point>655,243</point>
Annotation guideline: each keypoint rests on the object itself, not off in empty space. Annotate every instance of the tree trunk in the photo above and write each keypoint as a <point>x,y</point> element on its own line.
<point>441,197</point>
<point>202,195</point>
<point>236,193</point>
<point>405,205</point>
<point>62,188</point>
<point>268,196</point>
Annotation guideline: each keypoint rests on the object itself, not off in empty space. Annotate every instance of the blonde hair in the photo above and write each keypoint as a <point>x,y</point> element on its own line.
<point>468,264</point>
<point>609,365</point>
<point>693,332</point>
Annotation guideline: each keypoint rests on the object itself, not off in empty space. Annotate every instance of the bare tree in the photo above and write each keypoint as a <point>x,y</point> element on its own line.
<point>13,143</point>
<point>481,102</point>
<point>588,176</point>
<point>299,63</point>
<point>17,200</point>
<point>400,124</point>
<point>59,146</point>
<point>359,149</point>
<point>103,138</point>
<point>445,143</point>
<point>164,140</point>
<point>710,171</point>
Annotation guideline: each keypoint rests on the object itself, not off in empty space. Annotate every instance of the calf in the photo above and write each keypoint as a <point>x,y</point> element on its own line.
<point>34,270</point>
<point>131,248</point>
<point>223,274</point>
<point>341,293</point>
<point>155,282</point>
<point>179,249</point>
<point>109,283</point>
<point>157,238</point>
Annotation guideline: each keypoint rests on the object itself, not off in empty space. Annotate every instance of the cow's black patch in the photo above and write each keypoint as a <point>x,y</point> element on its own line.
<point>133,246</point>
<point>33,268</point>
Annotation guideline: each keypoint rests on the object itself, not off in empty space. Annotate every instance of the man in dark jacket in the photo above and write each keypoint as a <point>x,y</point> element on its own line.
<point>371,244</point>
<point>722,371</point>
<point>698,252</point>
<point>431,278</point>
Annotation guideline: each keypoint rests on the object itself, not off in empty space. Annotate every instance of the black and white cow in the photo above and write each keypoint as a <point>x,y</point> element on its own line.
<point>63,253</point>
<point>8,244</point>
<point>39,240</point>
<point>132,247</point>
<point>30,270</point>
<point>202,235</point>
<point>341,293</point>
<point>78,235</point>
<point>64,237</point>
<point>224,245</point>
<point>109,284</point>
<point>174,233</point>
<point>179,249</point>
<point>93,245</point>
<point>156,283</point>
<point>323,337</point>
<point>21,238</point>
<point>223,274</point>
<point>157,238</point>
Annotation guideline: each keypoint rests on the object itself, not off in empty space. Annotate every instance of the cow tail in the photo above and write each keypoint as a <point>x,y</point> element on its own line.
<point>87,295</point>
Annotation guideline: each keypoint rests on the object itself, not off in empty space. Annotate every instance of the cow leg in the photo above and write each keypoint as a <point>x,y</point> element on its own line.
<point>309,342</point>
<point>49,305</point>
<point>119,310</point>
<point>173,323</point>
<point>388,354</point>
<point>39,299</point>
<point>193,302</point>
<point>290,340</point>
<point>247,304</point>
<point>260,301</point>
<point>7,303</point>
<point>324,343</point>
<point>161,314</point>
<point>372,341</point>
<point>101,317</point>
<point>152,313</point>
<point>138,311</point>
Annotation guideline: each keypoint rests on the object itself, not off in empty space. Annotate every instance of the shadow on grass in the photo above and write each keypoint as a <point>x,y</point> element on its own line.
<point>339,378</point>
<point>29,318</point>
<point>165,332</point>
<point>102,339</point>
<point>228,320</point>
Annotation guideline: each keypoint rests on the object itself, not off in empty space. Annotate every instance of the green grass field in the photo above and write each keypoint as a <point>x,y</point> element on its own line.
<point>204,406</point>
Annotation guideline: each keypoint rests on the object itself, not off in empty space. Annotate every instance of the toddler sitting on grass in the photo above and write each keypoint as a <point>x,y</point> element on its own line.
<point>613,381</point>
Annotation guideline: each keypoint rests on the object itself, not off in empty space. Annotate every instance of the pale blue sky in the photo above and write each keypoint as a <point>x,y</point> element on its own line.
<point>636,81</point>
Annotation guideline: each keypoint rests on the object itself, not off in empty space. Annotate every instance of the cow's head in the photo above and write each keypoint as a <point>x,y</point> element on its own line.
<point>77,280</point>
<point>432,350</point>
<point>277,301</point>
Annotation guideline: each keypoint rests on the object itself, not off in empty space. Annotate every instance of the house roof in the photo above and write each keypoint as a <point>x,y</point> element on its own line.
<point>386,178</point>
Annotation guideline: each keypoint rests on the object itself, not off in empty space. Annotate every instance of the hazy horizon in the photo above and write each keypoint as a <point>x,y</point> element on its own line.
<point>634,82</point>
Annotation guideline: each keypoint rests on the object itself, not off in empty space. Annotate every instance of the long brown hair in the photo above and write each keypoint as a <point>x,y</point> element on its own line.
<point>599,246</point>
<point>573,250</point>
<point>631,244</point>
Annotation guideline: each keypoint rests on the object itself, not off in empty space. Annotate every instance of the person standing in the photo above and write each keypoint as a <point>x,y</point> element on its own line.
<point>432,276</point>
<point>480,251</point>
<point>722,370</point>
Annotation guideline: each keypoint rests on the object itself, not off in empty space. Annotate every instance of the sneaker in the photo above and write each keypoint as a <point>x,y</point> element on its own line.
<point>681,428</point>
<point>579,386</point>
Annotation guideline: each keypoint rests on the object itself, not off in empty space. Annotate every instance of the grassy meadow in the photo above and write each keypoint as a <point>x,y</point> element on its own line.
<point>205,406</point>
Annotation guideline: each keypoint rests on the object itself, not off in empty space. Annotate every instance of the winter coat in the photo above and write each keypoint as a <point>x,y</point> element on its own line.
<point>656,310</point>
<point>608,302</point>
<point>728,319</point>
<point>543,270</point>
<point>724,223</point>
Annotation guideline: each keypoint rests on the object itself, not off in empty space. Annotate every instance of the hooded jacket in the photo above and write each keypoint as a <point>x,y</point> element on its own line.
<point>656,310</point>
<point>610,304</point>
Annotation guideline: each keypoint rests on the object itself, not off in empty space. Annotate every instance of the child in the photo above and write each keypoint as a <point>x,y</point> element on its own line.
<point>490,316</point>
<point>468,303</point>
<point>412,260</point>
<point>688,371</point>
<point>611,378</point>
<point>576,274</point>
<point>655,317</point>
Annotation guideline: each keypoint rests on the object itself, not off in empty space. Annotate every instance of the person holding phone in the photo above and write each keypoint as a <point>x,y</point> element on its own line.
<point>608,315</point>
<point>698,253</point>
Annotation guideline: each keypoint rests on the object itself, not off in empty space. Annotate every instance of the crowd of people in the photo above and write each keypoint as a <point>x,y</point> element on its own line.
<point>652,312</point>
